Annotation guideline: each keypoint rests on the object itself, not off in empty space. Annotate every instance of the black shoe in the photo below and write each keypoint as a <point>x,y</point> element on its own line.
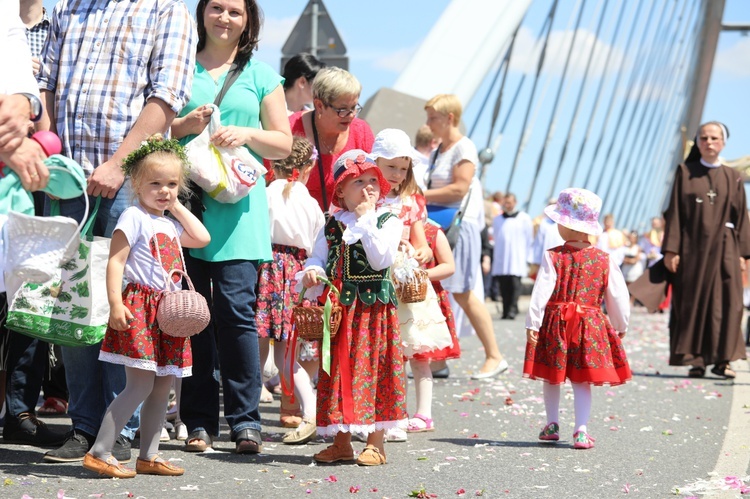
<point>121,450</point>
<point>441,373</point>
<point>75,447</point>
<point>27,429</point>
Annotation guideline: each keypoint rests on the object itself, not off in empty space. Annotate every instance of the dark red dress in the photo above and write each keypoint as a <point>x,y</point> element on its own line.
<point>591,350</point>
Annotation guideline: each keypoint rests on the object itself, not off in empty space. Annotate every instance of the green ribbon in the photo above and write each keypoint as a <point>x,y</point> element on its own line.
<point>327,309</point>
<point>326,347</point>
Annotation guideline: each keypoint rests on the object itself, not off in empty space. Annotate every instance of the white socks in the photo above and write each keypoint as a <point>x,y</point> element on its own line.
<point>581,403</point>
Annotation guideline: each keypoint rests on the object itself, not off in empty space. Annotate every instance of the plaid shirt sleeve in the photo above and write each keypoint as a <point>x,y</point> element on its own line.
<point>48,71</point>
<point>173,58</point>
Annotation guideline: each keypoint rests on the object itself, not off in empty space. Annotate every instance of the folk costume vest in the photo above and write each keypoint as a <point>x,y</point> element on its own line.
<point>358,277</point>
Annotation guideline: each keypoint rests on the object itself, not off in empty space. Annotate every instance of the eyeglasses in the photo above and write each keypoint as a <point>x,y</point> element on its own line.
<point>343,112</point>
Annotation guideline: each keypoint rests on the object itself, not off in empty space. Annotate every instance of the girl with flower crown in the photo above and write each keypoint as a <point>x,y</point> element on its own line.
<point>146,246</point>
<point>296,220</point>
<point>568,335</point>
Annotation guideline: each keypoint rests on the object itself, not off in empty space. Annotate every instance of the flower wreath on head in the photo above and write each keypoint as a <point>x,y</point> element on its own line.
<point>151,145</point>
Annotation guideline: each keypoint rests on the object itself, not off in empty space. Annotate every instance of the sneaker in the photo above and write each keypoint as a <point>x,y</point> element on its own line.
<point>73,449</point>
<point>164,437</point>
<point>27,429</point>
<point>550,433</point>
<point>582,440</point>
<point>121,450</point>
<point>395,435</point>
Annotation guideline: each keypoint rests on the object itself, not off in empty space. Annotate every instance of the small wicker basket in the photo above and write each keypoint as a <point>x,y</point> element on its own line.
<point>413,290</point>
<point>182,313</point>
<point>308,321</point>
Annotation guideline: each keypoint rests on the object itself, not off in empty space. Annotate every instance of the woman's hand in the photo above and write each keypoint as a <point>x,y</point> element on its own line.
<point>672,261</point>
<point>229,136</point>
<point>192,123</point>
<point>120,317</point>
<point>532,337</point>
<point>310,279</point>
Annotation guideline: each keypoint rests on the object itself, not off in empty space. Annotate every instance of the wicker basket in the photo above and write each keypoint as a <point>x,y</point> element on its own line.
<point>413,290</point>
<point>308,321</point>
<point>182,313</point>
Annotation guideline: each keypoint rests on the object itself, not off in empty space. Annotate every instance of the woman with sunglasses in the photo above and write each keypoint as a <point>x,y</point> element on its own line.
<point>332,126</point>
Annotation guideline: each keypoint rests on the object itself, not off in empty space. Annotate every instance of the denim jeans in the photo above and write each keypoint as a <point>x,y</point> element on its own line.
<point>93,384</point>
<point>27,360</point>
<point>228,345</point>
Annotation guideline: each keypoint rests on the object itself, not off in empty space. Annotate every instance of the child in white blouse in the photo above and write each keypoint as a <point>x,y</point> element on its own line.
<point>568,335</point>
<point>296,220</point>
<point>363,388</point>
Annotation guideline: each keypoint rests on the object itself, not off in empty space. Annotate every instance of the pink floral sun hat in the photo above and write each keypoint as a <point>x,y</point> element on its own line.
<point>577,209</point>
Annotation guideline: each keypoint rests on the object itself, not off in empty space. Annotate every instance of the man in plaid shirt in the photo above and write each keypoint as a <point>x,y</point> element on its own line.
<point>112,74</point>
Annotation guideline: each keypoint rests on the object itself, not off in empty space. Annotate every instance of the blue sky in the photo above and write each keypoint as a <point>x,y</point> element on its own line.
<point>380,41</point>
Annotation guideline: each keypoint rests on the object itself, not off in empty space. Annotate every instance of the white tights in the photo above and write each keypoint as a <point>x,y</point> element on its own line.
<point>302,385</point>
<point>141,386</point>
<point>423,386</point>
<point>581,403</point>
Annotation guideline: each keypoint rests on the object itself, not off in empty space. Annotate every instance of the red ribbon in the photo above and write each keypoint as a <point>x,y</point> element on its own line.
<point>294,176</point>
<point>290,358</point>
<point>571,313</point>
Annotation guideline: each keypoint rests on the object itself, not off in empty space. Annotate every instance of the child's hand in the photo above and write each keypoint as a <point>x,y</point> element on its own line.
<point>310,279</point>
<point>532,337</point>
<point>622,334</point>
<point>368,204</point>
<point>120,318</point>
<point>423,254</point>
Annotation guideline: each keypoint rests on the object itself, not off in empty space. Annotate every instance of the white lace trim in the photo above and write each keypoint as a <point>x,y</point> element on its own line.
<point>146,365</point>
<point>331,430</point>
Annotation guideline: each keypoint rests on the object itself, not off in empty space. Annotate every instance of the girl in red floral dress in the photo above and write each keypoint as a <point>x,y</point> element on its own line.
<point>145,247</point>
<point>296,219</point>
<point>568,335</point>
<point>363,391</point>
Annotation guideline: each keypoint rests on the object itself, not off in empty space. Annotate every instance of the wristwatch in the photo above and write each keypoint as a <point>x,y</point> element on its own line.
<point>36,106</point>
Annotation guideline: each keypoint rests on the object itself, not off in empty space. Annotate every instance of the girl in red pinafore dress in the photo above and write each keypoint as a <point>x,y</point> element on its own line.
<point>145,247</point>
<point>363,391</point>
<point>569,337</point>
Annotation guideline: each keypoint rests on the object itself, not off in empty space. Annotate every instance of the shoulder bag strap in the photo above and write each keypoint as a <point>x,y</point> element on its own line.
<point>320,162</point>
<point>431,169</point>
<point>234,73</point>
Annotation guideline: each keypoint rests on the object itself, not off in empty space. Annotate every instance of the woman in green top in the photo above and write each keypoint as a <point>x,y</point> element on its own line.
<point>253,115</point>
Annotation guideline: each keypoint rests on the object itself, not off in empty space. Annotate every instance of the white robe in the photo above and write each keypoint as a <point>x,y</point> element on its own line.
<point>513,239</point>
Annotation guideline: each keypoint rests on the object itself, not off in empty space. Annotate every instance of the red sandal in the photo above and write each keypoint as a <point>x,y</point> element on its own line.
<point>53,406</point>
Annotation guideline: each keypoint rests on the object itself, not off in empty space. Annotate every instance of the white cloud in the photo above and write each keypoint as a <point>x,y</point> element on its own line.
<point>395,61</point>
<point>527,51</point>
<point>735,60</point>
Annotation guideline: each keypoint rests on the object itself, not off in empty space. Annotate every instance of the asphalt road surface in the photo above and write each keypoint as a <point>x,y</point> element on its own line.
<point>660,435</point>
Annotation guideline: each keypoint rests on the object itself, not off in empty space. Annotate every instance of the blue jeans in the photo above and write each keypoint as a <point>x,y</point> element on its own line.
<point>93,384</point>
<point>229,345</point>
<point>27,360</point>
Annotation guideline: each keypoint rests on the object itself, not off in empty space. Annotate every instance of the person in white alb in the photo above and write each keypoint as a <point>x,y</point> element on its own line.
<point>514,234</point>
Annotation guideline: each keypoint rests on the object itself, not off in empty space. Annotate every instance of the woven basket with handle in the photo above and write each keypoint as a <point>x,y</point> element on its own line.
<point>413,290</point>
<point>309,320</point>
<point>182,313</point>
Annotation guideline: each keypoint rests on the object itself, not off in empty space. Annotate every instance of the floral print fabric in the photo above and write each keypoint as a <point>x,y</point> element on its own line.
<point>592,352</point>
<point>276,294</point>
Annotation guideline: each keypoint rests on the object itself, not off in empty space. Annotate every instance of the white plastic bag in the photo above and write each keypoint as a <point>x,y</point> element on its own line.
<point>226,173</point>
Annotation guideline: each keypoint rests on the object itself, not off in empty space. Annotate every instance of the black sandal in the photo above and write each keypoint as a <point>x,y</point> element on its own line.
<point>198,441</point>
<point>724,371</point>
<point>248,441</point>
<point>696,372</point>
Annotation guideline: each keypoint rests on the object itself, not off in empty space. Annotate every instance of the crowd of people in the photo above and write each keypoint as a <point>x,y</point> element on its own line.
<point>340,209</point>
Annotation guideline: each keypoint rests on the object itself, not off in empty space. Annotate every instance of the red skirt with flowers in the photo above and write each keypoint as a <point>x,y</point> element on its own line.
<point>365,391</point>
<point>143,345</point>
<point>453,351</point>
<point>276,294</point>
